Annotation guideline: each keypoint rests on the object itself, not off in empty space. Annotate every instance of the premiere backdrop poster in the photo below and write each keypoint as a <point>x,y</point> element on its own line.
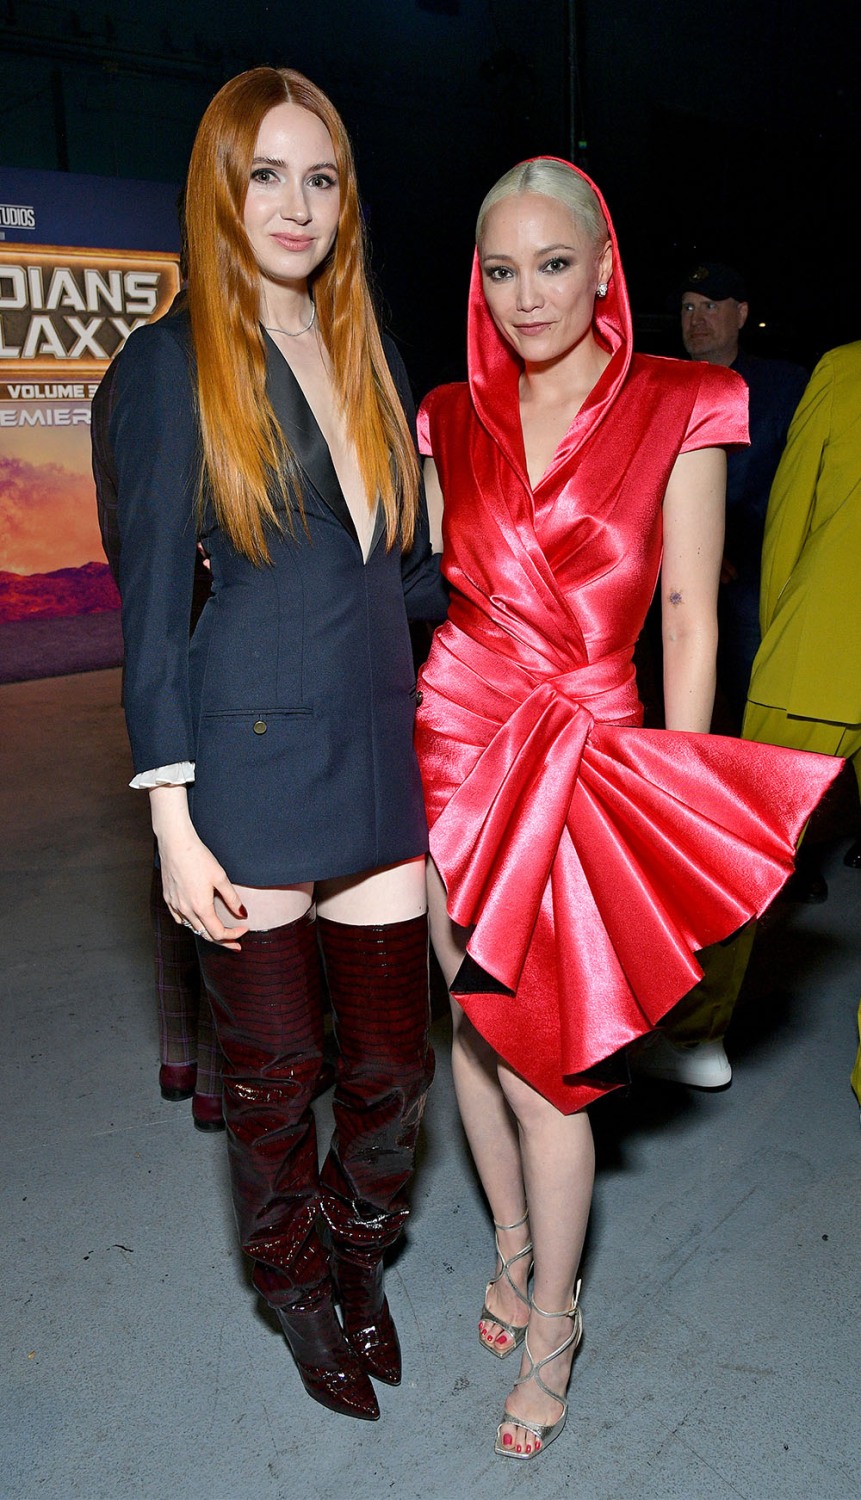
<point>65,310</point>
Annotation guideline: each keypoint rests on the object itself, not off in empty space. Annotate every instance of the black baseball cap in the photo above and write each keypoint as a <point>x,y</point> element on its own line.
<point>715,281</point>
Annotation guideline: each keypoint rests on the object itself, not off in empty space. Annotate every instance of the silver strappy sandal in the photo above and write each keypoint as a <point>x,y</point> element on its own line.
<point>515,1331</point>
<point>544,1432</point>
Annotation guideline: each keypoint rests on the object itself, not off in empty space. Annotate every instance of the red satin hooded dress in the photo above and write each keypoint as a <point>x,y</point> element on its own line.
<point>592,857</point>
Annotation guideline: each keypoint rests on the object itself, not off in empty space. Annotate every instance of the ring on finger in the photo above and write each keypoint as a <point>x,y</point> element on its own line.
<point>198,931</point>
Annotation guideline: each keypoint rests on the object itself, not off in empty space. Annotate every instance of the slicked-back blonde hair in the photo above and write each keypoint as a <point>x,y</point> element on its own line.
<point>553,179</point>
<point>247,465</point>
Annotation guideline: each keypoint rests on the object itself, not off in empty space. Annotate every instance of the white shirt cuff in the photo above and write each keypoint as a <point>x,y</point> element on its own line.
<point>178,774</point>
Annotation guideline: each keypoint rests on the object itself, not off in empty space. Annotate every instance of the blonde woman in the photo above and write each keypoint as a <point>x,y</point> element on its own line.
<point>270,422</point>
<point>579,861</point>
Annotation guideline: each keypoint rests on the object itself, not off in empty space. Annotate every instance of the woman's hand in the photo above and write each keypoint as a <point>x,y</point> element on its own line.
<point>191,875</point>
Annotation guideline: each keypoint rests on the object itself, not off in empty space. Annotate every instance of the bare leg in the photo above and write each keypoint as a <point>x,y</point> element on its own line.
<point>394,893</point>
<point>268,906</point>
<point>489,1124</point>
<point>559,1169</point>
<point>525,1152</point>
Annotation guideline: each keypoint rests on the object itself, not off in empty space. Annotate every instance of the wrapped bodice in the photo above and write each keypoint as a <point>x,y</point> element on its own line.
<point>561,577</point>
<point>590,858</point>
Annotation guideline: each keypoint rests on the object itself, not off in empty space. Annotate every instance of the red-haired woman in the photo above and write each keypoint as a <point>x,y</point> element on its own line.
<point>270,422</point>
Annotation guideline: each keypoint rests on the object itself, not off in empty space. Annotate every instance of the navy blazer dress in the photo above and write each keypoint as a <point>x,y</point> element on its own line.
<point>296,697</point>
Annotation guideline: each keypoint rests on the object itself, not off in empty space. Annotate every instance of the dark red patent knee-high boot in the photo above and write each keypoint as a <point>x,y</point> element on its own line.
<point>378,986</point>
<point>266,1004</point>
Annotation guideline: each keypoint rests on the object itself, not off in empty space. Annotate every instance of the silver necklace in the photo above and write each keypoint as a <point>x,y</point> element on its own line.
<point>299,331</point>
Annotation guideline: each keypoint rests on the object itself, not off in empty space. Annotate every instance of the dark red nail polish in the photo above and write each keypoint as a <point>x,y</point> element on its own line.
<point>243,913</point>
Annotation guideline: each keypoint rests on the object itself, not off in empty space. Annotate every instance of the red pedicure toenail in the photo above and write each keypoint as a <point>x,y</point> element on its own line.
<point>507,1440</point>
<point>519,1449</point>
<point>537,1446</point>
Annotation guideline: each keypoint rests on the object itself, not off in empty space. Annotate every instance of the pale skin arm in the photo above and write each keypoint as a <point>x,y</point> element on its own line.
<point>191,875</point>
<point>433,493</point>
<point>694,506</point>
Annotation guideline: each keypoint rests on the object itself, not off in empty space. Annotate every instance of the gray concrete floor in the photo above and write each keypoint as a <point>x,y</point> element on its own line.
<point>721,1287</point>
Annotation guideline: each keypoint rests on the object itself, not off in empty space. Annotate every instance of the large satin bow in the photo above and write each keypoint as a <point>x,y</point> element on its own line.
<point>525,782</point>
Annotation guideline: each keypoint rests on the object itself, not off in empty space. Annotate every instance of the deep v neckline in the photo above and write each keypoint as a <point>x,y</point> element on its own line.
<point>579,421</point>
<point>309,447</point>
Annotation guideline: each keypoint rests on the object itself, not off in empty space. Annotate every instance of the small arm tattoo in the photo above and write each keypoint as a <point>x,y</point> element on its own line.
<point>675,596</point>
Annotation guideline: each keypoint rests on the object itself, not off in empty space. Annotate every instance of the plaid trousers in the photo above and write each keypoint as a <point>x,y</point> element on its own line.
<point>186,1030</point>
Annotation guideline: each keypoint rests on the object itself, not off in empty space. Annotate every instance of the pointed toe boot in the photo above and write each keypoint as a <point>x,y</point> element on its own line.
<point>330,1370</point>
<point>368,1322</point>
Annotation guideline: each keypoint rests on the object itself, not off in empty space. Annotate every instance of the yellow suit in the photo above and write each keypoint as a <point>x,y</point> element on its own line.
<point>809,663</point>
<point>805,689</point>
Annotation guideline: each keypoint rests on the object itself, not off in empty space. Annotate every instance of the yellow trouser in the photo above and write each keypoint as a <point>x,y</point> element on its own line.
<point>705,1013</point>
<point>774,727</point>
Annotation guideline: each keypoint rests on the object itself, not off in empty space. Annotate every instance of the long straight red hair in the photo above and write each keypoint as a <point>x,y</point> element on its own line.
<point>248,470</point>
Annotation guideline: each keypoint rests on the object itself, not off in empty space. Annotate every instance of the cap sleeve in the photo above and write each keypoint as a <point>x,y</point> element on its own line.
<point>425,416</point>
<point>719,416</point>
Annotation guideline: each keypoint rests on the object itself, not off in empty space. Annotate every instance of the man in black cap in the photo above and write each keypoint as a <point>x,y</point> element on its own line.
<point>714,309</point>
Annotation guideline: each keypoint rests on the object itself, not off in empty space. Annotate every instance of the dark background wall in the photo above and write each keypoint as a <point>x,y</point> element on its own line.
<point>730,130</point>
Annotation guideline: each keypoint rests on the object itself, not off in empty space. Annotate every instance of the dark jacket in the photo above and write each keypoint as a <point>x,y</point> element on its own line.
<point>775,389</point>
<point>105,476</point>
<point>104,469</point>
<point>296,699</point>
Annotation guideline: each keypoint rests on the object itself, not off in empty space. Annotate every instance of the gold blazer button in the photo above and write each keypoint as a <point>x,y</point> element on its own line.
<point>259,727</point>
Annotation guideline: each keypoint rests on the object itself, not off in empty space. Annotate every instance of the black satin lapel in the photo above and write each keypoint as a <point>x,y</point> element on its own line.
<point>306,441</point>
<point>379,527</point>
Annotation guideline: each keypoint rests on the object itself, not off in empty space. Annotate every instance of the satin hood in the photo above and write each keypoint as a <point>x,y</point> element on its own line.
<point>494,367</point>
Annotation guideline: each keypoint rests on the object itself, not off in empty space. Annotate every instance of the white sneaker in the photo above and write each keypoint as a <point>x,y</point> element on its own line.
<point>702,1065</point>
